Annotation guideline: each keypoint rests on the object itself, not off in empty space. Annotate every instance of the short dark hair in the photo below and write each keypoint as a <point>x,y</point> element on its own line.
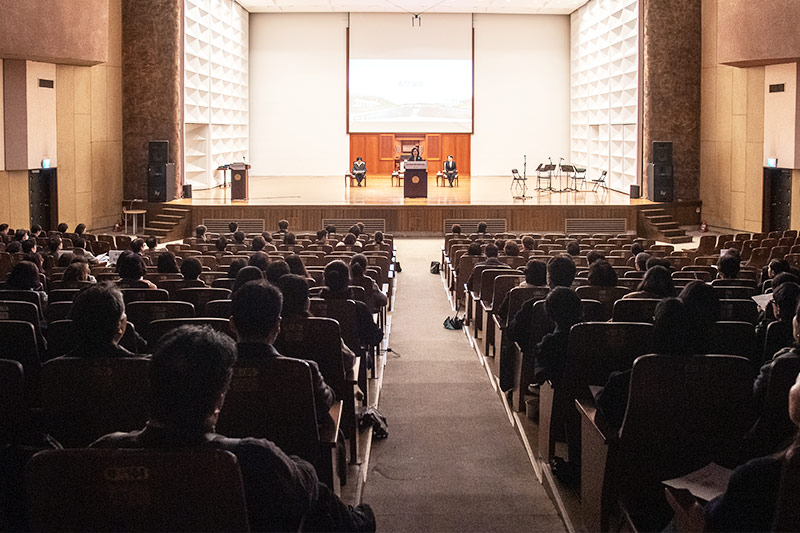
<point>511,248</point>
<point>276,269</point>
<point>53,243</point>
<point>560,271</point>
<point>190,368</point>
<point>729,266</point>
<point>200,230</point>
<point>28,245</point>
<point>24,275</point>
<point>776,266</point>
<point>283,224</point>
<point>528,242</point>
<point>321,234</point>
<point>455,228</point>
<point>80,243</point>
<point>233,226</point>
<point>167,263</point>
<point>96,313</point>
<point>295,294</point>
<point>296,266</point>
<point>80,228</point>
<point>641,260</point>
<point>289,238</point>
<point>701,301</point>
<point>658,261</point>
<point>481,227</point>
<point>221,243</point>
<point>151,242</point>
<point>784,277</point>
<point>474,248</point>
<point>594,255</point>
<point>563,307</point>
<point>36,228</point>
<point>536,273</point>
<point>378,237</point>
<point>573,248</point>
<point>674,331</point>
<point>238,237</point>
<point>3,227</point>
<point>658,281</point>
<point>137,245</point>
<point>337,276</point>
<point>245,275</point>
<point>350,238</point>
<point>62,227</point>
<point>20,234</point>
<point>785,298</point>
<point>602,274</point>
<point>235,266</point>
<point>14,247</point>
<point>131,266</point>
<point>256,309</point>
<point>258,244</point>
<point>355,230</point>
<point>636,248</point>
<point>260,260</point>
<point>490,250</point>
<point>191,268</point>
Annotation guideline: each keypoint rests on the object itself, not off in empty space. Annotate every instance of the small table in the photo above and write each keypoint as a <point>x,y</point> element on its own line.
<point>134,213</point>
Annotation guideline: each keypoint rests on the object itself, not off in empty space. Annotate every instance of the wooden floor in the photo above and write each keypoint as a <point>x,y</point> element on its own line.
<point>330,190</point>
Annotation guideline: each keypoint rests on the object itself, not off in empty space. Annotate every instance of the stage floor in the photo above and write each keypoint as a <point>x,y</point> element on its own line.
<point>331,191</point>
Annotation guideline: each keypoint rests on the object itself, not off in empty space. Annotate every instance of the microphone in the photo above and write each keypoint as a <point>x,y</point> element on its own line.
<point>550,160</point>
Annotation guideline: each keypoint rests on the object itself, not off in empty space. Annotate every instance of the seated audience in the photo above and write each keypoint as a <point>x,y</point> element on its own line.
<point>98,315</point>
<point>657,283</point>
<point>258,244</point>
<point>238,238</point>
<point>455,229</point>
<point>167,264</point>
<point>563,307</point>
<point>62,228</point>
<point>528,244</point>
<point>235,266</point>
<point>491,261</point>
<point>151,242</point>
<point>728,266</point>
<point>640,261</point>
<point>375,297</point>
<point>260,260</point>
<point>190,373</point>
<point>481,227</point>
<point>24,276</point>
<point>701,304</point>
<point>233,227</point>
<point>594,255</point>
<point>14,247</point>
<point>54,246</point>
<point>191,269</point>
<point>658,261</point>
<point>80,229</point>
<point>64,259</point>
<point>283,226</point>
<point>511,249</point>
<point>296,265</point>
<point>4,233</point>
<point>290,239</point>
<point>636,249</point>
<point>200,233</point>
<point>337,286</point>
<point>132,270</point>
<point>321,238</point>
<point>535,276</point>
<point>220,245</point>
<point>79,248</point>
<point>137,246</point>
<point>767,315</point>
<point>350,242</point>
<point>574,249</point>
<point>76,271</point>
<point>36,231</point>
<point>602,274</point>
<point>275,270</point>
<point>28,246</point>
<point>474,248</point>
<point>245,275</point>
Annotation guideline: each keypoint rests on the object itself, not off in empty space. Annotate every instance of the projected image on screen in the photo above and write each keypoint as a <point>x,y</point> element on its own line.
<point>402,95</point>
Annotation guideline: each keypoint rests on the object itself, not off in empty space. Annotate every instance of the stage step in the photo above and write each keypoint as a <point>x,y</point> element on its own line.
<point>663,226</point>
<point>176,210</point>
<point>679,240</point>
<point>660,225</point>
<point>659,218</point>
<point>166,224</point>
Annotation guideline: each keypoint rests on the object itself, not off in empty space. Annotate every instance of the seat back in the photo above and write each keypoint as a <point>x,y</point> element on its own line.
<point>12,395</point>
<point>485,287</point>
<point>219,308</point>
<point>139,295</point>
<point>734,338</point>
<point>738,310</point>
<point>343,312</point>
<point>635,310</point>
<point>199,297</point>
<point>23,296</point>
<point>774,427</point>
<point>158,328</point>
<point>465,266</point>
<point>519,295</point>
<point>733,293</point>
<point>316,339</point>
<point>19,344</point>
<point>502,285</point>
<point>63,337</point>
<point>84,399</point>
<point>142,313</point>
<point>779,335</point>
<point>135,490</point>
<point>606,295</point>
<point>273,398</point>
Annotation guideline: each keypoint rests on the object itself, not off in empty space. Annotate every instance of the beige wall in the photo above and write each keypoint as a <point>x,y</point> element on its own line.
<point>780,116</point>
<point>731,135</point>
<point>757,32</point>
<point>89,124</point>
<point>41,102</point>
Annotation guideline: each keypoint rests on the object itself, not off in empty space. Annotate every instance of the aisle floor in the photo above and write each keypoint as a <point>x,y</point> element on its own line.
<point>452,461</point>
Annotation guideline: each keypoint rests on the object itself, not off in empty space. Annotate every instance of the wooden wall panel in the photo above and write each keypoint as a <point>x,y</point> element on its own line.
<point>386,144</point>
<point>377,150</point>
<point>434,147</point>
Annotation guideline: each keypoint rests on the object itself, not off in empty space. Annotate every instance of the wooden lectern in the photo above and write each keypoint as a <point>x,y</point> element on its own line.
<point>415,180</point>
<point>240,177</point>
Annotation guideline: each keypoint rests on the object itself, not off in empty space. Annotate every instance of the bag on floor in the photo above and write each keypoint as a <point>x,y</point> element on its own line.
<point>454,322</point>
<point>374,419</point>
<point>435,266</point>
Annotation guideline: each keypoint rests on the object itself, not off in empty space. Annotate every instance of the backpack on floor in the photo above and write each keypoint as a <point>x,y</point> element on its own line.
<point>435,266</point>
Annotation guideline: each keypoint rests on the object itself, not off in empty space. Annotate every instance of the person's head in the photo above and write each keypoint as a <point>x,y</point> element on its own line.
<point>361,227</point>
<point>672,328</point>
<point>238,237</point>
<point>283,225</point>
<point>415,152</point>
<point>701,302</point>
<point>64,259</point>
<point>594,255</point>
<point>191,268</point>
<point>235,266</point>
<point>190,372</point>
<point>131,266</point>
<point>501,245</point>
<point>258,244</point>
<point>233,226</point>
<point>776,266</point>
<point>784,277</point>
<point>330,229</point>
<point>290,239</point>
<point>62,228</point>
<point>3,229</point>
<point>137,245</point>
<point>490,250</point>
<point>657,261</point>
<point>536,273</point>
<point>528,242</point>
<point>29,246</point>
<point>355,230</point>
<point>350,239</point>
<point>563,307</point>
<point>455,229</point>
<point>358,265</point>
<point>358,158</point>
<point>36,229</point>
<point>602,274</point>
<point>636,248</point>
<point>21,235</point>
<point>511,248</point>
<point>34,258</point>
<point>80,228</point>
<point>560,271</point>
<point>728,266</point>
<point>167,264</point>
<point>200,231</point>
<point>78,244</point>
<point>77,271</point>
<point>221,243</point>
<point>641,261</point>
<point>321,235</point>
<point>294,289</point>
<point>14,247</point>
<point>784,300</point>
<point>98,314</point>
<point>267,237</point>
<point>573,248</point>
<point>378,237</point>
<point>337,276</point>
<point>275,270</point>
<point>54,243</point>
<point>658,281</point>
<point>450,157</point>
<point>296,265</point>
<point>246,275</point>
<point>260,260</point>
<point>481,227</point>
<point>474,248</point>
<point>256,312</point>
<point>24,275</point>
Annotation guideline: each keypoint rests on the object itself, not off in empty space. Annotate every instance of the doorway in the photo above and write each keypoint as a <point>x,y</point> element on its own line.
<point>43,194</point>
<point>777,205</point>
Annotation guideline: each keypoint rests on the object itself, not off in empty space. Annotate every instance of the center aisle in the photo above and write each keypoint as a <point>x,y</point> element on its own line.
<point>452,461</point>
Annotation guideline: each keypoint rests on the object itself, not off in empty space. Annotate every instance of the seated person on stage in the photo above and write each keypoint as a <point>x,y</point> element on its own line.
<point>256,319</point>
<point>450,170</point>
<point>359,170</point>
<point>415,155</point>
<point>190,373</point>
<point>98,316</point>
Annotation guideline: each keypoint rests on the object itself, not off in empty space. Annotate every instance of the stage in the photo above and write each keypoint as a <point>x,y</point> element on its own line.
<point>307,201</point>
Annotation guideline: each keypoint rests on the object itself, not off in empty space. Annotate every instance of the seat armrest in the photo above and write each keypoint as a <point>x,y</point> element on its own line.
<point>497,322</point>
<point>598,444</point>
<point>356,368</point>
<point>330,434</point>
<point>546,400</point>
<point>487,306</point>
<point>597,423</point>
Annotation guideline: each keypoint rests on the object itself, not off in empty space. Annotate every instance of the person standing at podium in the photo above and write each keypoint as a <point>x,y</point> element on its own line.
<point>415,155</point>
<point>450,169</point>
<point>359,170</point>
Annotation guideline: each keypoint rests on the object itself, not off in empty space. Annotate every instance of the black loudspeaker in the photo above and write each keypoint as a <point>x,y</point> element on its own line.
<point>636,191</point>
<point>160,173</point>
<point>187,191</point>
<point>662,153</point>
<point>659,182</point>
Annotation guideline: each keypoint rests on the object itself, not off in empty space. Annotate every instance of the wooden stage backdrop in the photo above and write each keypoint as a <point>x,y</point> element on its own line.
<point>379,150</point>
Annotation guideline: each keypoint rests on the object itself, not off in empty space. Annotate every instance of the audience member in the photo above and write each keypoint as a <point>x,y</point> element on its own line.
<point>296,265</point>
<point>785,305</point>
<point>14,247</point>
<point>191,269</point>
<point>36,231</point>
<point>76,271</point>
<point>337,286</point>
<point>636,249</point>
<point>657,283</point>
<point>573,248</point>
<point>641,260</point>
<point>275,270</point>
<point>245,275</point>
<point>350,241</point>
<point>321,238</point>
<point>79,248</point>
<point>62,228</point>
<point>190,374</point>
<point>238,238</point>
<point>374,296</point>
<point>602,274</point>
<point>481,227</point>
<point>283,226</point>
<point>528,244</point>
<point>535,276</point>
<point>232,227</point>
<point>258,244</point>
<point>80,229</point>
<point>200,233</point>
<point>560,271</point>
<point>24,276</point>
<point>594,255</point>
<point>137,246</point>
<point>455,229</point>
<point>728,266</point>
<point>28,246</point>
<point>131,270</point>
<point>220,244</point>
<point>511,249</point>
<point>151,242</point>
<point>167,264</point>
<point>98,315</point>
<point>658,261</point>
<point>491,261</point>
<point>474,248</point>
<point>260,260</point>
<point>701,304</point>
<point>563,307</point>
<point>235,266</point>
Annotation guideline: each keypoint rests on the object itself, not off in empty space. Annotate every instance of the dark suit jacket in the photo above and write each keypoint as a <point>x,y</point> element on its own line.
<point>280,490</point>
<point>762,381</point>
<point>368,332</point>
<point>359,167</point>
<point>416,158</point>
<point>450,166</point>
<point>323,394</point>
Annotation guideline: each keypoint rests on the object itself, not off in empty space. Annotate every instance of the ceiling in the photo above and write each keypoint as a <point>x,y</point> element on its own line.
<point>541,7</point>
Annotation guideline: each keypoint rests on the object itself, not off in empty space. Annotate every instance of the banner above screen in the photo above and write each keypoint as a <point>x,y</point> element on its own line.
<point>405,78</point>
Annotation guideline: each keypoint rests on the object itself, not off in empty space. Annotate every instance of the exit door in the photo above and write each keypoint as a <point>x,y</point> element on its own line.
<point>777,210</point>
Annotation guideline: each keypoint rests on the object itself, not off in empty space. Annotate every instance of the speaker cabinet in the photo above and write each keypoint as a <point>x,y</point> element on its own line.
<point>161,183</point>
<point>662,153</point>
<point>158,153</point>
<point>659,182</point>
<point>187,190</point>
<point>636,191</point>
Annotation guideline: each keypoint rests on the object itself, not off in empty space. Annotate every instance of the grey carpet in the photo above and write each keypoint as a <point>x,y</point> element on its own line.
<point>452,461</point>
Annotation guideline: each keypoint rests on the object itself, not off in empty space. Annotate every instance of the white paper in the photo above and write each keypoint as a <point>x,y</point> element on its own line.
<point>762,300</point>
<point>706,484</point>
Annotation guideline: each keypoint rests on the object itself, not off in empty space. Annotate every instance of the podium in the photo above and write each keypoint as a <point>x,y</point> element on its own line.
<point>415,180</point>
<point>240,177</point>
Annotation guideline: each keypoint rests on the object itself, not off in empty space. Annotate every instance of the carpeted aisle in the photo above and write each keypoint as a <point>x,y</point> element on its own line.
<point>452,461</point>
